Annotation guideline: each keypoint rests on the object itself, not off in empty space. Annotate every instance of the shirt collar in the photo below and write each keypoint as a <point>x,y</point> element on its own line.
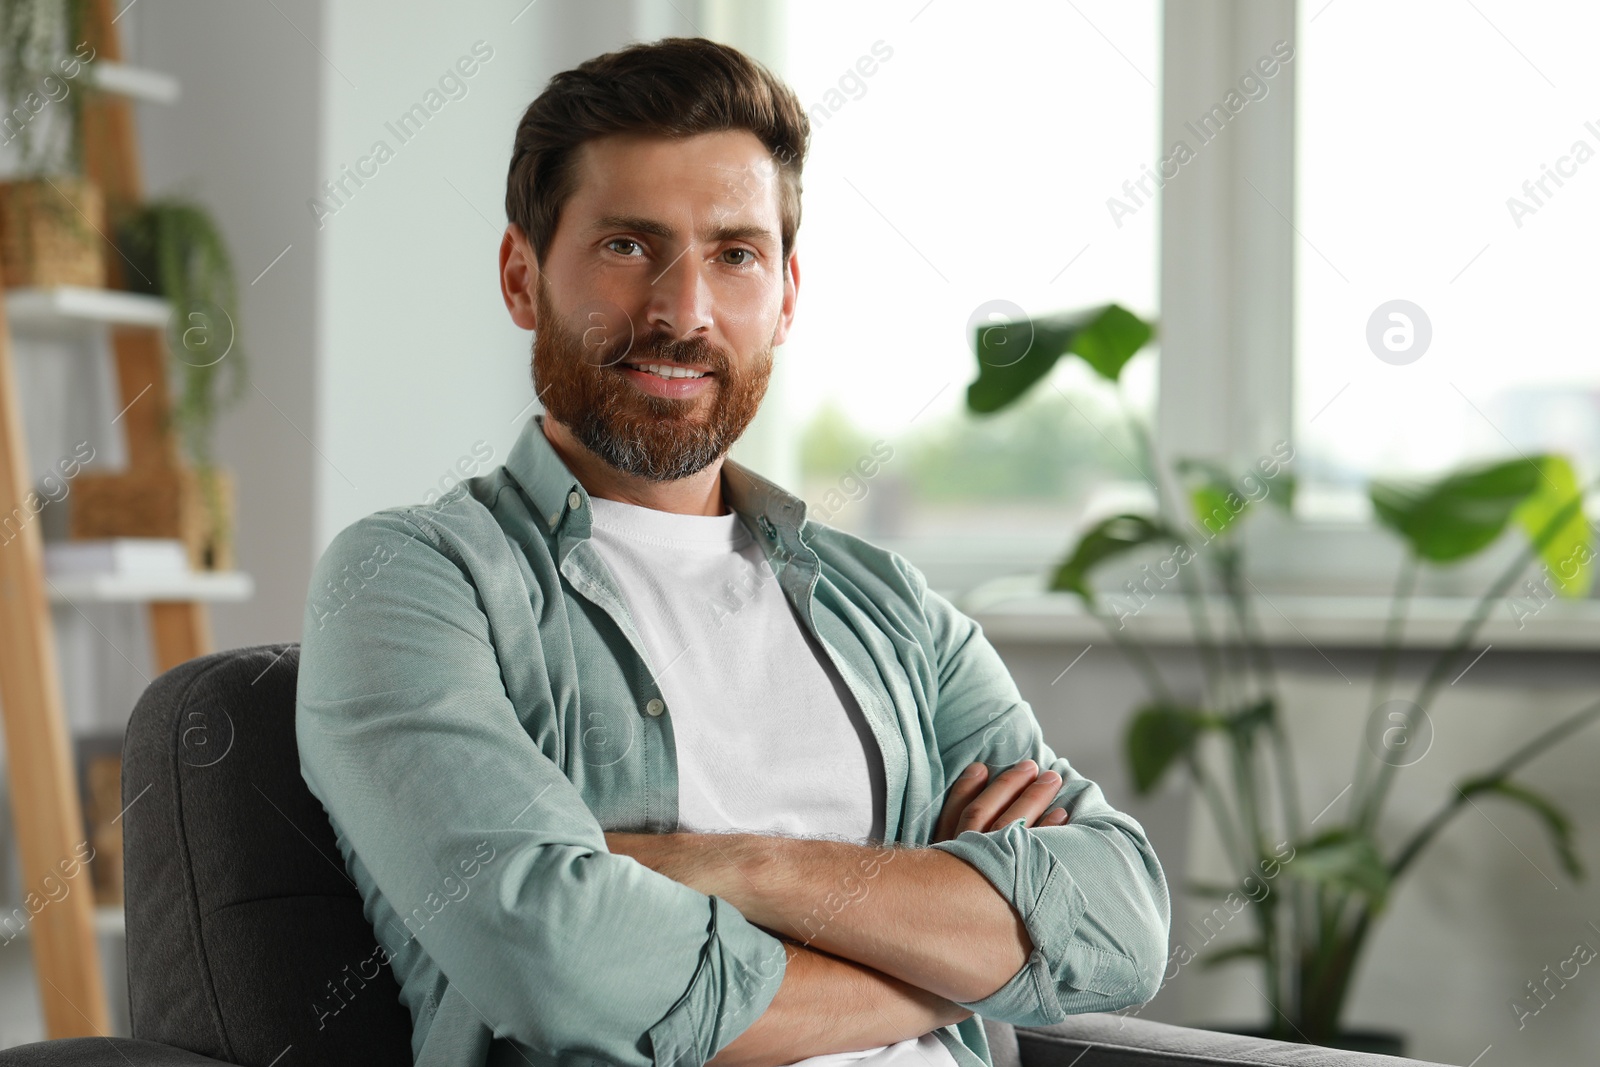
<point>770,510</point>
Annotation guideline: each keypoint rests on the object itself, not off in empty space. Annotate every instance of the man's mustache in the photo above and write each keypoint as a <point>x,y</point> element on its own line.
<point>694,352</point>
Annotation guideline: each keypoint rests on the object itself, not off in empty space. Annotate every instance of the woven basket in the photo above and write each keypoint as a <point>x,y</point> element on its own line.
<point>157,502</point>
<point>50,232</point>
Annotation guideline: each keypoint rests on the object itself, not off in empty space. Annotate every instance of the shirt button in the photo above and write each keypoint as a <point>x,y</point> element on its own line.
<point>655,707</point>
<point>574,500</point>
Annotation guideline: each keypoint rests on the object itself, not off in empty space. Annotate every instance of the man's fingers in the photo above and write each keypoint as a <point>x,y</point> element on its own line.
<point>999,795</point>
<point>1032,801</point>
<point>962,791</point>
<point>1052,818</point>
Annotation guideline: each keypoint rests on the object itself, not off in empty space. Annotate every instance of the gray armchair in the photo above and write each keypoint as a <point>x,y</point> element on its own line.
<point>244,935</point>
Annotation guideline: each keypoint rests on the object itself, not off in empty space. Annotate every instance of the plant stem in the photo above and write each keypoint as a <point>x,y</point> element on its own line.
<point>1219,811</point>
<point>1266,671</point>
<point>1142,661</point>
<point>1170,516</point>
<point>1235,648</point>
<point>1405,584</point>
<point>1504,769</point>
<point>1137,654</point>
<point>1330,983</point>
<point>1469,630</point>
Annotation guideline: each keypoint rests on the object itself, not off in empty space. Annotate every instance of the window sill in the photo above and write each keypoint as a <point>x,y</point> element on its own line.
<point>1292,620</point>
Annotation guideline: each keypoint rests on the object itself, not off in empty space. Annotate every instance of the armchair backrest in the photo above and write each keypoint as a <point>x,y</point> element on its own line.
<point>245,935</point>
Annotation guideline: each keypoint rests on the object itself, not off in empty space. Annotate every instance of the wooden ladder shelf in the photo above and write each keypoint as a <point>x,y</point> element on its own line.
<point>48,816</point>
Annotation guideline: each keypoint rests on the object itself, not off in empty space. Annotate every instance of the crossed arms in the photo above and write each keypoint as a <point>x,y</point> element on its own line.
<point>883,944</point>
<point>420,742</point>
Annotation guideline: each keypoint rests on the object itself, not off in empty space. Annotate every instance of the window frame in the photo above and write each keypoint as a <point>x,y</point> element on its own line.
<point>1226,295</point>
<point>1228,339</point>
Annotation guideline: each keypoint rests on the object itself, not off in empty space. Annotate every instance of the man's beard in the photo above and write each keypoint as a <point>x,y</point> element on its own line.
<point>583,387</point>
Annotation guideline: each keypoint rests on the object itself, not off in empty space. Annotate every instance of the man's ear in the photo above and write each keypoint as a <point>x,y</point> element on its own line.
<point>519,277</point>
<point>791,292</point>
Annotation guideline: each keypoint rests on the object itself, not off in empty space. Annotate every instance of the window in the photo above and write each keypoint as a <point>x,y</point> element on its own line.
<point>964,154</point>
<point>1433,153</point>
<point>1450,162</point>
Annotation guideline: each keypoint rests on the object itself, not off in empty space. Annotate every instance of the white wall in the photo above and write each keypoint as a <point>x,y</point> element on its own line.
<point>418,359</point>
<point>242,139</point>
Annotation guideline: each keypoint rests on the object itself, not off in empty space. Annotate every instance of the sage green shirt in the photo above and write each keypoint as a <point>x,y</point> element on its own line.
<point>475,709</point>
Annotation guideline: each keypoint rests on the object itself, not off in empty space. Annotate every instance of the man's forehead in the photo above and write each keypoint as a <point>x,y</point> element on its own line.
<point>729,173</point>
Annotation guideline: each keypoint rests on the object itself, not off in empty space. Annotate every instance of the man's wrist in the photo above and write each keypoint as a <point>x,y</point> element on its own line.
<point>797,887</point>
<point>733,867</point>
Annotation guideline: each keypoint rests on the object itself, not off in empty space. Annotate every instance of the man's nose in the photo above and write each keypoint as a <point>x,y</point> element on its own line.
<point>679,303</point>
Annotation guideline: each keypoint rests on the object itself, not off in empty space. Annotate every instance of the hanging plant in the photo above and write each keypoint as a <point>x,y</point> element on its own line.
<point>176,251</point>
<point>50,214</point>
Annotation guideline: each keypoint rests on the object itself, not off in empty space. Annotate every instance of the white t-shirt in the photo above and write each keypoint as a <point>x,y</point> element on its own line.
<point>768,738</point>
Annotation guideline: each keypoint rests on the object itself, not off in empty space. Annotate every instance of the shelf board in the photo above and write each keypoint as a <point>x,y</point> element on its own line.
<point>71,310</point>
<point>210,586</point>
<point>136,83</point>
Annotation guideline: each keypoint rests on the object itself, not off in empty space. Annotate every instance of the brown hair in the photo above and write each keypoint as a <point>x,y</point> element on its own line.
<point>676,87</point>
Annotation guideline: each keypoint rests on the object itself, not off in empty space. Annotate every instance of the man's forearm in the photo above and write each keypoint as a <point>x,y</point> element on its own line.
<point>920,915</point>
<point>826,1005</point>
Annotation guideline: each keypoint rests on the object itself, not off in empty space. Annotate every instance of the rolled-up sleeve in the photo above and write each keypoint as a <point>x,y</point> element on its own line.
<point>1091,893</point>
<point>409,739</point>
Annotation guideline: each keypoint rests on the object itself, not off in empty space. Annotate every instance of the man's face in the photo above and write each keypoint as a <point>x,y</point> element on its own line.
<point>661,298</point>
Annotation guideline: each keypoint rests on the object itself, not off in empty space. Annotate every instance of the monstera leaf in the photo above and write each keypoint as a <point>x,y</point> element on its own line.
<point>1342,859</point>
<point>1218,499</point>
<point>1460,514</point>
<point>1015,356</point>
<point>1554,511</point>
<point>1158,737</point>
<point>1244,723</point>
<point>1105,540</point>
<point>1216,506</point>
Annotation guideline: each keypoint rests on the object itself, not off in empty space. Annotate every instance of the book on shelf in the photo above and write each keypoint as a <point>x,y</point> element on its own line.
<point>116,555</point>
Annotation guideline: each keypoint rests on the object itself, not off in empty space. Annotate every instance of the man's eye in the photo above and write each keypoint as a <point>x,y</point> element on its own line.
<point>629,247</point>
<point>744,252</point>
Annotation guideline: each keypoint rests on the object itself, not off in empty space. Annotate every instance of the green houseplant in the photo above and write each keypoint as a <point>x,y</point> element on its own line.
<point>50,213</point>
<point>177,251</point>
<point>1230,739</point>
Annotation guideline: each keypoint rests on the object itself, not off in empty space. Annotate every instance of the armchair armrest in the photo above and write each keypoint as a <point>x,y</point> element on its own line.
<point>103,1052</point>
<point>1124,1041</point>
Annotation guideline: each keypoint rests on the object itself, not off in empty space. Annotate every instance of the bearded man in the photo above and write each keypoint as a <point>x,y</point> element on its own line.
<point>631,761</point>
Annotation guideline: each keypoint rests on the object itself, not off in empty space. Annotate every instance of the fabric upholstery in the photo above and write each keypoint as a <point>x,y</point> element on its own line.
<point>245,936</point>
<point>103,1052</point>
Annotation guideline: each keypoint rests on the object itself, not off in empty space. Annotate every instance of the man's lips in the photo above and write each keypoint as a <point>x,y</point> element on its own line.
<point>667,378</point>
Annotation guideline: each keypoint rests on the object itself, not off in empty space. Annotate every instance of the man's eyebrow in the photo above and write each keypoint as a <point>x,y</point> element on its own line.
<point>640,224</point>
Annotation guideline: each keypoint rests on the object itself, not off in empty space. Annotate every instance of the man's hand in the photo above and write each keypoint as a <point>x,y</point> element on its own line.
<point>827,1005</point>
<point>976,803</point>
